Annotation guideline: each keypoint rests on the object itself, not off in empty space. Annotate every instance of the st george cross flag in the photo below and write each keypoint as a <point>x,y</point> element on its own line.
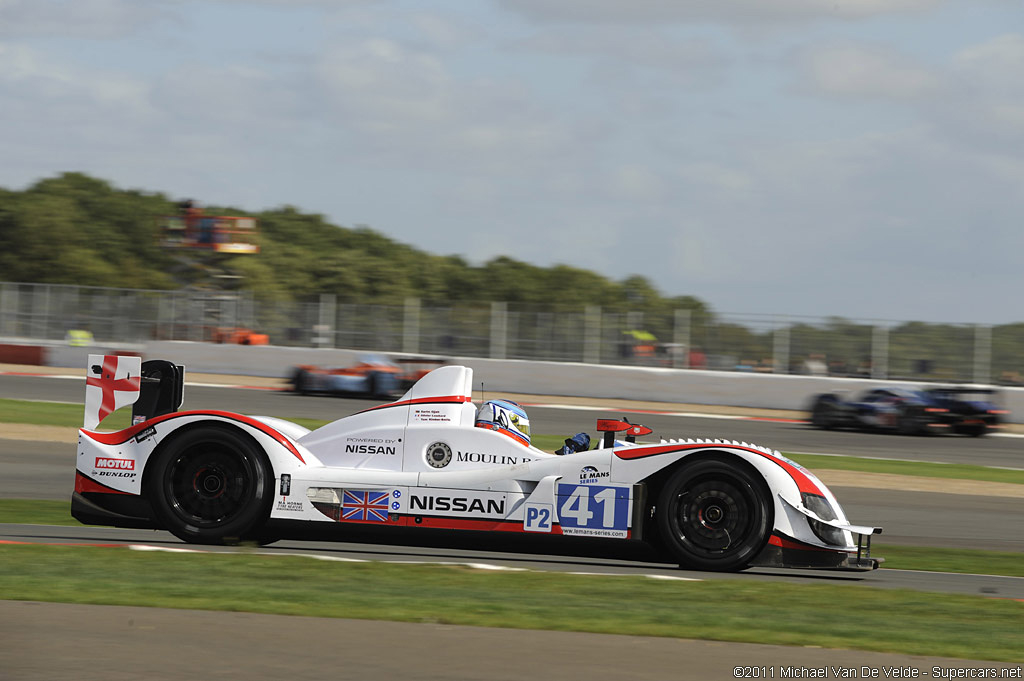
<point>111,382</point>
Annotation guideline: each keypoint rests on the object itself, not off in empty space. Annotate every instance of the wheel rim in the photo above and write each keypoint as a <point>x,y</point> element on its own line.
<point>714,516</point>
<point>209,484</point>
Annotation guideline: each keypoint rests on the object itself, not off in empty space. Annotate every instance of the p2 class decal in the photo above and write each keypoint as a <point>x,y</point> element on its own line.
<point>538,517</point>
<point>593,510</point>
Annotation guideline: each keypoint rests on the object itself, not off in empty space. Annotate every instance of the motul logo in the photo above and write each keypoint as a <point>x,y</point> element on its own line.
<point>116,464</point>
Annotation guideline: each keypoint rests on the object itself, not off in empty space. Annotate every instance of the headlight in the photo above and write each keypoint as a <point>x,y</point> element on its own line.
<point>819,505</point>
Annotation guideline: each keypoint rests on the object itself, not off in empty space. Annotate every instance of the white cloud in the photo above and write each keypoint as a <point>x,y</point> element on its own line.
<point>857,70</point>
<point>603,134</point>
<point>737,12</point>
<point>92,19</point>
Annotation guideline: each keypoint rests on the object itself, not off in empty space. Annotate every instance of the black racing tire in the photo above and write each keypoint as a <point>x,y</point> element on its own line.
<point>823,414</point>
<point>375,383</point>
<point>973,430</point>
<point>714,515</point>
<point>211,485</point>
<point>911,421</point>
<point>301,382</point>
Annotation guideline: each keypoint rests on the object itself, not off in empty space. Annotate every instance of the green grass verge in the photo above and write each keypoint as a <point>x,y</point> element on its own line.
<point>37,512</point>
<point>70,415</point>
<point>56,414</point>
<point>727,610</point>
<point>966,561</point>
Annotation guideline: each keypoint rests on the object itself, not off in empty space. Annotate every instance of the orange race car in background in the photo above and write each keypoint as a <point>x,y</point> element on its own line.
<point>373,375</point>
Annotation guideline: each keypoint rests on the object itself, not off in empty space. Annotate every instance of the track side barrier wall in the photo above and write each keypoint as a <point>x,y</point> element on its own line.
<point>654,384</point>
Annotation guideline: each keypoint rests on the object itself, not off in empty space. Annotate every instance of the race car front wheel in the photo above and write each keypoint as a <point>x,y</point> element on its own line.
<point>714,515</point>
<point>211,485</point>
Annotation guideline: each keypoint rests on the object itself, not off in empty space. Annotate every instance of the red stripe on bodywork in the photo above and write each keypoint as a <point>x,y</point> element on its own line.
<point>803,482</point>
<point>122,436</point>
<point>785,542</point>
<point>84,483</point>
<point>447,523</point>
<point>453,399</point>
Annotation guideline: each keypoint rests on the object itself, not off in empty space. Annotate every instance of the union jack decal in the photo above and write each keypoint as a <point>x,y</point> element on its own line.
<point>367,506</point>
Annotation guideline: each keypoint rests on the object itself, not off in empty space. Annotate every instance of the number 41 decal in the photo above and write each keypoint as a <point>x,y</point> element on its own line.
<point>577,506</point>
<point>593,510</point>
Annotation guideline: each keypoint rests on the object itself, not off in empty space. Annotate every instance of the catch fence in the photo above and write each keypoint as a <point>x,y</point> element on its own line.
<point>679,338</point>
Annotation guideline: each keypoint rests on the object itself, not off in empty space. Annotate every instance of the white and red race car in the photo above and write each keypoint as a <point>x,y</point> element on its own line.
<point>420,462</point>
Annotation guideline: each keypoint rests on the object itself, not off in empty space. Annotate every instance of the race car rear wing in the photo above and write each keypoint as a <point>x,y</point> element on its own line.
<point>162,390</point>
<point>610,426</point>
<point>153,388</point>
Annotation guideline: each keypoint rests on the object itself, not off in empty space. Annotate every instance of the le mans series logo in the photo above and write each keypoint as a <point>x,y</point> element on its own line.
<point>591,474</point>
<point>115,468</point>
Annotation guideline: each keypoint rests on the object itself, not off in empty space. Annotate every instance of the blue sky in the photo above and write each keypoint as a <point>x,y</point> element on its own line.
<point>859,158</point>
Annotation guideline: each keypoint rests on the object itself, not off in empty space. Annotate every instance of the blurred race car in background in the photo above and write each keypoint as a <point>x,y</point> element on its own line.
<point>373,375</point>
<point>961,410</point>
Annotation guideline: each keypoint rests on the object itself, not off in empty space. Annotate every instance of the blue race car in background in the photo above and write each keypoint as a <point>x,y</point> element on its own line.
<point>960,410</point>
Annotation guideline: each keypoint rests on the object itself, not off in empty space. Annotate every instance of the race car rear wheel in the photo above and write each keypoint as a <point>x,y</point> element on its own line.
<point>211,485</point>
<point>714,515</point>
<point>973,430</point>
<point>822,415</point>
<point>911,421</point>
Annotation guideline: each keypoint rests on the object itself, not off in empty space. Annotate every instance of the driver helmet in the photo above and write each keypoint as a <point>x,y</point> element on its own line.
<point>507,417</point>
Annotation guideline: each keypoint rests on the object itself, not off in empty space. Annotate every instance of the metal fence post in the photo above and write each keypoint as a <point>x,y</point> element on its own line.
<point>681,337</point>
<point>982,354</point>
<point>499,330</point>
<point>592,334</point>
<point>411,326</point>
<point>39,311</point>
<point>879,352</point>
<point>780,349</point>
<point>8,310</point>
<point>323,335</point>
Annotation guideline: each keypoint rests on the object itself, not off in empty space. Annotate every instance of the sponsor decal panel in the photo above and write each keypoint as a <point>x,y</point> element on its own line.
<point>111,467</point>
<point>592,474</point>
<point>115,464</point>
<point>483,457</point>
<point>144,435</point>
<point>290,506</point>
<point>387,450</point>
<point>443,502</point>
<point>386,446</point>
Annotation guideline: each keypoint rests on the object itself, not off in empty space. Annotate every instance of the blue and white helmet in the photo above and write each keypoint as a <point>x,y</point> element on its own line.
<point>507,417</point>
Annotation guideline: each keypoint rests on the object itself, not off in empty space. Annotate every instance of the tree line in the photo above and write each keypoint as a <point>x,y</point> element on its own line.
<point>81,230</point>
<point>77,229</point>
